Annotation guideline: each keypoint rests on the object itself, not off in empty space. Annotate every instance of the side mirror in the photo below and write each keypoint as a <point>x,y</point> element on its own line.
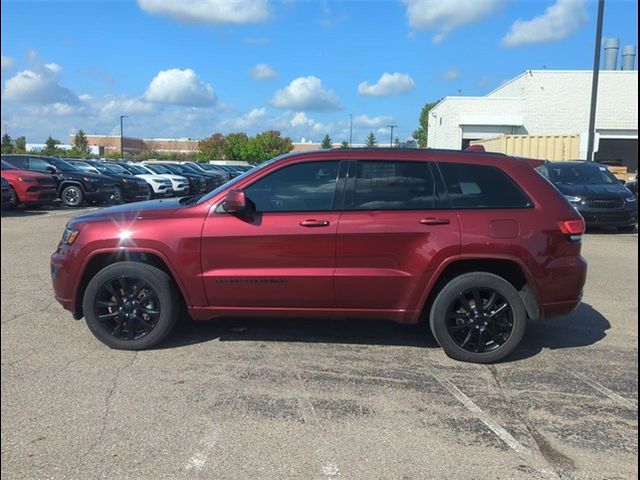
<point>234,202</point>
<point>51,169</point>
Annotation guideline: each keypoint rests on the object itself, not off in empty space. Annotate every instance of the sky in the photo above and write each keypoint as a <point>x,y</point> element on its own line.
<point>189,68</point>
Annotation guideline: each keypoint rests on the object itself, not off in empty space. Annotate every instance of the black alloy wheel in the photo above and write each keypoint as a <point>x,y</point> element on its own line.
<point>117,196</point>
<point>479,320</point>
<point>130,305</point>
<point>478,317</point>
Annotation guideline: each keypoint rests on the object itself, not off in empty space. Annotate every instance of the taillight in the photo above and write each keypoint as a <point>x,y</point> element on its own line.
<point>572,228</point>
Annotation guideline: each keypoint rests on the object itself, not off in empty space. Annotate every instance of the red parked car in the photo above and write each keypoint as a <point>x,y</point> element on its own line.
<point>473,243</point>
<point>30,188</point>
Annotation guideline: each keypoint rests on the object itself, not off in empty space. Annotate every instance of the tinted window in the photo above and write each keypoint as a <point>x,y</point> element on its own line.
<point>39,165</point>
<point>480,186</point>
<point>308,186</point>
<point>393,185</point>
<point>7,166</point>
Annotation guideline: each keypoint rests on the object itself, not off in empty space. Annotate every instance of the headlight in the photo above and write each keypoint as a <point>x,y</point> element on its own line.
<point>573,199</point>
<point>124,180</point>
<point>28,179</point>
<point>631,199</point>
<point>69,236</point>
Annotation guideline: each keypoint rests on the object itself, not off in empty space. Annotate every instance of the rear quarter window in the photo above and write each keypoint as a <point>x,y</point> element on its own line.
<point>481,186</point>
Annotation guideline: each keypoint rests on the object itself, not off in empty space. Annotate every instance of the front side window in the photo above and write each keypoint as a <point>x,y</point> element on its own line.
<point>308,186</point>
<point>481,186</point>
<point>39,165</point>
<point>392,185</point>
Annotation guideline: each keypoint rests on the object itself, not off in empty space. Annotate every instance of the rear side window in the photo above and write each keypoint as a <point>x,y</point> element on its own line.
<point>392,185</point>
<point>481,186</point>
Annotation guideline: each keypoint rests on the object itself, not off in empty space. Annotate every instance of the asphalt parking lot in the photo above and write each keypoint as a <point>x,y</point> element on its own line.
<point>235,399</point>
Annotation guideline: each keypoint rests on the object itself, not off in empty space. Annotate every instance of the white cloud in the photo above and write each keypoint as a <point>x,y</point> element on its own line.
<point>122,105</point>
<point>557,22</point>
<point>388,84</point>
<point>306,93</point>
<point>180,87</point>
<point>263,72</point>
<point>451,74</point>
<point>445,16</point>
<point>251,120</point>
<point>53,67</point>
<point>42,87</point>
<point>214,12</point>
<point>7,62</point>
<point>371,122</point>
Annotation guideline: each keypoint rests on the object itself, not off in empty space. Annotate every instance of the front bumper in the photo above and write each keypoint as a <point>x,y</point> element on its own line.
<point>38,195</point>
<point>614,217</point>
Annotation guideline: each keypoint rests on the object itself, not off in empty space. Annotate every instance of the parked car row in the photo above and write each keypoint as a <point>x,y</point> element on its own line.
<point>36,180</point>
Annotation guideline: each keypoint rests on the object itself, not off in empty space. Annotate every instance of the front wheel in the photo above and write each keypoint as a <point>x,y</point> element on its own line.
<point>72,196</point>
<point>13,199</point>
<point>130,306</point>
<point>478,317</point>
<point>117,196</point>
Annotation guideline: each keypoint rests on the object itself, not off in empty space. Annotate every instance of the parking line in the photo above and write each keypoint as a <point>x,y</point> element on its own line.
<point>604,390</point>
<point>484,417</point>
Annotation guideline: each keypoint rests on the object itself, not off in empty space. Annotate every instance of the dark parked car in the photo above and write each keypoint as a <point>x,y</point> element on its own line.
<point>197,183</point>
<point>595,192</point>
<point>213,179</point>
<point>73,185</point>
<point>475,243</point>
<point>127,187</point>
<point>28,188</point>
<point>6,193</point>
<point>209,167</point>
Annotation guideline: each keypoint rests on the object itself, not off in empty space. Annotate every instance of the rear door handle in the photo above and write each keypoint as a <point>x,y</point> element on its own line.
<point>435,221</point>
<point>314,223</point>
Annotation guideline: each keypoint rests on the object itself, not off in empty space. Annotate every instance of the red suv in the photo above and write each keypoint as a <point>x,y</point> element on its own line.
<point>30,188</point>
<point>473,243</point>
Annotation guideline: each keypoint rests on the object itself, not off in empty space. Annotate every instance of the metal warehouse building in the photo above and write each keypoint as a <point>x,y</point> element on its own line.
<point>547,102</point>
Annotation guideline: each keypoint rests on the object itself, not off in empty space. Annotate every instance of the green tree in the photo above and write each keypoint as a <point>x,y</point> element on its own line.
<point>344,144</point>
<point>237,147</point>
<point>51,146</point>
<point>212,148</point>
<point>81,143</point>
<point>326,142</point>
<point>396,143</point>
<point>371,140</point>
<point>20,145</point>
<point>267,145</point>
<point>7,144</point>
<point>420,134</point>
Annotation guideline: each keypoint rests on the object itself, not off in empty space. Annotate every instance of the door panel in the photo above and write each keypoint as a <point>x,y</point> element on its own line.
<point>385,258</point>
<point>269,260</point>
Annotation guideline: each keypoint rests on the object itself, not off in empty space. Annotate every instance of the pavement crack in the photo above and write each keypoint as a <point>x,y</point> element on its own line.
<point>30,312</point>
<point>107,409</point>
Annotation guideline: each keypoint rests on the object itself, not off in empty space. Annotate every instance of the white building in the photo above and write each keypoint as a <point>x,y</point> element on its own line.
<point>546,102</point>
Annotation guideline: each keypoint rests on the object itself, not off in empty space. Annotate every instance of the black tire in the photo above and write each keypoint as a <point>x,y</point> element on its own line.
<point>13,199</point>
<point>149,192</point>
<point>115,323</point>
<point>627,229</point>
<point>507,323</point>
<point>117,196</point>
<point>72,196</point>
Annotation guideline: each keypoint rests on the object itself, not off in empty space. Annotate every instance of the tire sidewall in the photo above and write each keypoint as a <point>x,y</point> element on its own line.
<point>118,196</point>
<point>437,317</point>
<point>14,201</point>
<point>159,281</point>
<point>80,196</point>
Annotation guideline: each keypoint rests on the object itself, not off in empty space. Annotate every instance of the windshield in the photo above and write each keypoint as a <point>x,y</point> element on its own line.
<point>582,174</point>
<point>85,166</point>
<point>118,168</point>
<point>7,166</point>
<point>175,168</point>
<point>155,168</point>
<point>62,165</point>
<point>136,170</point>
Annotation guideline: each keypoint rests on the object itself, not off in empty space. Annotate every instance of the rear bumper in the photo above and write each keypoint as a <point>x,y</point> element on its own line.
<point>562,289</point>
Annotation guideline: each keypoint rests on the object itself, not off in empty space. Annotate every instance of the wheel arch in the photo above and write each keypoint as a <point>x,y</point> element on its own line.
<point>67,183</point>
<point>511,269</point>
<point>101,259</point>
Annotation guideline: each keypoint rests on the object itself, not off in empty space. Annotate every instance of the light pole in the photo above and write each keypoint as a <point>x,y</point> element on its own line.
<point>121,138</point>
<point>391,139</point>
<point>594,83</point>
<point>350,128</point>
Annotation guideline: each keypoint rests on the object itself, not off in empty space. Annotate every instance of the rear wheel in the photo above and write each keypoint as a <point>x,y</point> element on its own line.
<point>130,306</point>
<point>478,317</point>
<point>72,196</point>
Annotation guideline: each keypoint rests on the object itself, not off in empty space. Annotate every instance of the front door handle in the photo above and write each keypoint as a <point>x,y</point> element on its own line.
<point>435,221</point>
<point>314,223</point>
